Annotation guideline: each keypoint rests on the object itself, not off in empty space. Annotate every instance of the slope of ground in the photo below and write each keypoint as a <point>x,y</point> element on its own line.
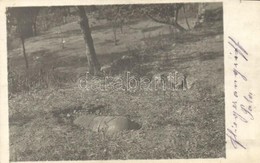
<point>178,124</point>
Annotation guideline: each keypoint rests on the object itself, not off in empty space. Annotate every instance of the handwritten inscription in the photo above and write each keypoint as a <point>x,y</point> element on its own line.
<point>242,104</point>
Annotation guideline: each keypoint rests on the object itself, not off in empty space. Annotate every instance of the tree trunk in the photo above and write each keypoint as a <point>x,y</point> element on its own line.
<point>186,19</point>
<point>114,26</point>
<point>34,29</point>
<point>24,53</point>
<point>176,15</point>
<point>114,32</point>
<point>93,64</point>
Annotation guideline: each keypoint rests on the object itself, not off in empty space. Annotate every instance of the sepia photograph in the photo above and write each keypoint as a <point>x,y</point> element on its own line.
<point>116,82</point>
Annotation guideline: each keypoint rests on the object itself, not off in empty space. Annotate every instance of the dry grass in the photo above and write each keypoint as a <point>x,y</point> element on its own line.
<point>180,124</point>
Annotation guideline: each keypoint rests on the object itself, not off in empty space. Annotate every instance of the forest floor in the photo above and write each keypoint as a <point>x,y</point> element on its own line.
<point>180,124</point>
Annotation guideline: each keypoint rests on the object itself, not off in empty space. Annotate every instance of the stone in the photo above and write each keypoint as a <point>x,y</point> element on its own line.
<point>106,69</point>
<point>106,124</point>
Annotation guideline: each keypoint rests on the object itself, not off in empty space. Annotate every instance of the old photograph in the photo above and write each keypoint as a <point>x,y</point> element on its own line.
<point>116,82</point>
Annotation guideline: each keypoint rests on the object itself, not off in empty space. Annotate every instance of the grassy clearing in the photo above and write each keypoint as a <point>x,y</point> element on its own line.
<point>180,124</point>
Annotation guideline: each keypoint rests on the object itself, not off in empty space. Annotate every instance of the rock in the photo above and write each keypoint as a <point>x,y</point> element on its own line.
<point>106,69</point>
<point>107,124</point>
<point>127,57</point>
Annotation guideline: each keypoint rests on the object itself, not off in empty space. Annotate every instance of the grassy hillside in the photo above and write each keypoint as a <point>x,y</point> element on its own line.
<point>175,124</point>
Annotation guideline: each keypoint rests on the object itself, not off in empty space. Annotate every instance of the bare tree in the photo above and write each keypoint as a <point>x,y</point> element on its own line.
<point>24,20</point>
<point>166,14</point>
<point>93,64</point>
<point>186,19</point>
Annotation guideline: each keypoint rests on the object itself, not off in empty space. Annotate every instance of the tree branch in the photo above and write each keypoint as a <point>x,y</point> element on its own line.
<point>175,24</point>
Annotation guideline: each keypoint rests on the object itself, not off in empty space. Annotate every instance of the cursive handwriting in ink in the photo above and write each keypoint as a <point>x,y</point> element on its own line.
<point>242,104</point>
